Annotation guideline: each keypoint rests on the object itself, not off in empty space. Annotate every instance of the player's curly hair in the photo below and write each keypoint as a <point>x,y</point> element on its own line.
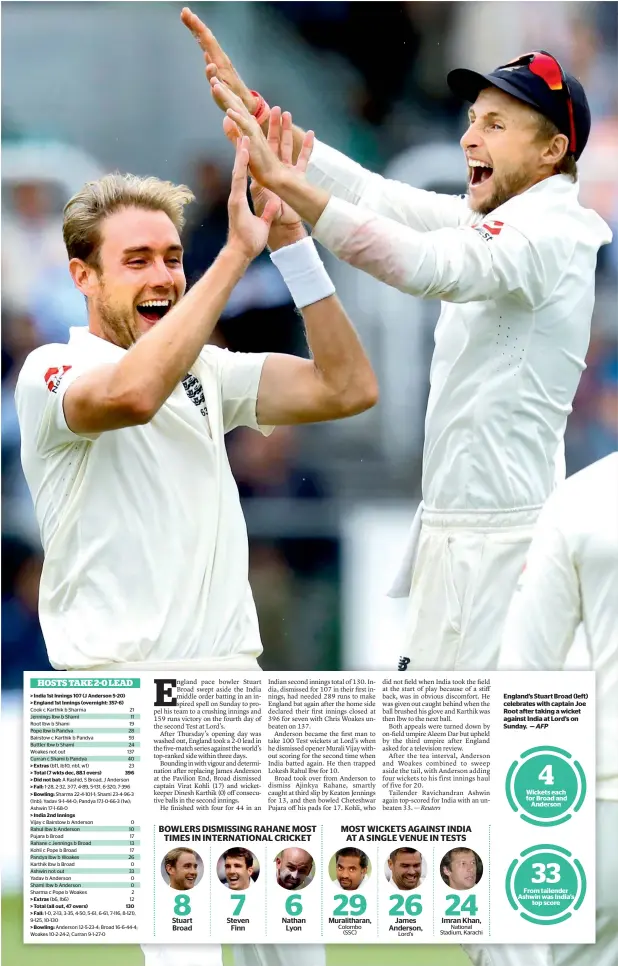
<point>86,210</point>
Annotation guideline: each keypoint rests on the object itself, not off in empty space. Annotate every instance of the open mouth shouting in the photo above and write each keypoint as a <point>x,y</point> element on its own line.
<point>479,173</point>
<point>152,310</point>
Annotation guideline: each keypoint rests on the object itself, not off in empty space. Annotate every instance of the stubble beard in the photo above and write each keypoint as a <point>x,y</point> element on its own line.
<point>505,188</point>
<point>117,325</point>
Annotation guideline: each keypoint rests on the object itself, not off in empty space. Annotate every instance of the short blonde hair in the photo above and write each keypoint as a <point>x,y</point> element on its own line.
<point>84,213</point>
<point>174,854</point>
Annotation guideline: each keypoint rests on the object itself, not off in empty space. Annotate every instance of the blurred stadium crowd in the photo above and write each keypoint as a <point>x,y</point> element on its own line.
<point>370,79</point>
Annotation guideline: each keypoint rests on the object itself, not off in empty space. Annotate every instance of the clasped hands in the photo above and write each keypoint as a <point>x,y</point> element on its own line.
<point>271,162</point>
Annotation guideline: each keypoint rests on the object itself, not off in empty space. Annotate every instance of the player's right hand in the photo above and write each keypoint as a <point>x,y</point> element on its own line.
<point>215,57</point>
<point>248,233</point>
<point>287,226</point>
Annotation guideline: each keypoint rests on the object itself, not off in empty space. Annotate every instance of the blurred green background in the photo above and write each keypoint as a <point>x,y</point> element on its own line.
<point>14,953</point>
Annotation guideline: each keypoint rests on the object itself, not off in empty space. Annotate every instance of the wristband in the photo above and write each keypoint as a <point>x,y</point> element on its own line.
<point>303,272</point>
<point>261,110</point>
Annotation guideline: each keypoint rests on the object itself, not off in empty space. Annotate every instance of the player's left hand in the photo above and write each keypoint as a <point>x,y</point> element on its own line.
<point>248,233</point>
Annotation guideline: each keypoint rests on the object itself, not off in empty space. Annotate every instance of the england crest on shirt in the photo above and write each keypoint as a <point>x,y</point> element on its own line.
<point>195,391</point>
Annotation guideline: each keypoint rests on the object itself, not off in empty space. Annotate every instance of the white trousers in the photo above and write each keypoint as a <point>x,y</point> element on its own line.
<point>604,952</point>
<point>212,955</point>
<point>466,570</point>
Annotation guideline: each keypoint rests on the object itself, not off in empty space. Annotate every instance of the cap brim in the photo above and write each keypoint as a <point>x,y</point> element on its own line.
<point>467,84</point>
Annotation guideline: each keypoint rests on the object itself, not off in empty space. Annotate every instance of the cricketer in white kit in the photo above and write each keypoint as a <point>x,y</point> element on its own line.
<point>570,583</point>
<point>514,265</point>
<point>146,551</point>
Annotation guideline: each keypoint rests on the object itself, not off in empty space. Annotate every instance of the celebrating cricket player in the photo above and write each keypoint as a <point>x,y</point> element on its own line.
<point>146,551</point>
<point>514,265</point>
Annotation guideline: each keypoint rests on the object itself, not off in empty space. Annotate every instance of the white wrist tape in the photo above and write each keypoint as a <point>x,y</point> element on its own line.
<point>303,272</point>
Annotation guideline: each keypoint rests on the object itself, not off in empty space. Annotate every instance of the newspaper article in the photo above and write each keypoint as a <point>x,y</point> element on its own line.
<point>255,807</point>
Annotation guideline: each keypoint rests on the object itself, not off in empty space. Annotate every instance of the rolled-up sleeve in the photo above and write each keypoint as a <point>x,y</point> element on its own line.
<point>465,264</point>
<point>415,207</point>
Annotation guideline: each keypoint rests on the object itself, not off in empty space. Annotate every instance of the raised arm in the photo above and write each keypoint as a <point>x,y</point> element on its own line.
<point>414,207</point>
<point>131,391</point>
<point>330,169</point>
<point>454,264</point>
<point>219,65</point>
<point>337,380</point>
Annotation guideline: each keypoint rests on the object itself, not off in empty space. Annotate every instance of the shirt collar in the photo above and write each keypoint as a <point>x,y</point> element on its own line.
<point>81,336</point>
<point>557,186</point>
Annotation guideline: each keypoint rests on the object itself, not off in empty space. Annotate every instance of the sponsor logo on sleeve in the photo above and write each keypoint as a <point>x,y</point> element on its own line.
<point>489,229</point>
<point>53,377</point>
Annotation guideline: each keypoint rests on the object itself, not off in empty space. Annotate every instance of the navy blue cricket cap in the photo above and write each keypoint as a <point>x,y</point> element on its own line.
<point>536,79</point>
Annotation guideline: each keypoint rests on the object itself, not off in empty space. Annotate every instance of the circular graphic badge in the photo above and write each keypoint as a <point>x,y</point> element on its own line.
<point>545,884</point>
<point>546,786</point>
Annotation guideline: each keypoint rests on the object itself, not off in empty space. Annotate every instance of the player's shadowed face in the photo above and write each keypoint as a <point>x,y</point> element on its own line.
<point>139,277</point>
<point>504,152</point>
<point>183,875</point>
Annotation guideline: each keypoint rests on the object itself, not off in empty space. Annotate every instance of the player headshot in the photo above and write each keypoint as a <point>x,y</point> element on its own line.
<point>461,868</point>
<point>293,868</point>
<point>182,868</point>
<point>351,867</point>
<point>238,868</point>
<point>405,866</point>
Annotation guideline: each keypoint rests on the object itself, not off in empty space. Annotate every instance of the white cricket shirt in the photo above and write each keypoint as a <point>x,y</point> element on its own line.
<point>518,290</point>
<point>571,578</point>
<point>146,551</point>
